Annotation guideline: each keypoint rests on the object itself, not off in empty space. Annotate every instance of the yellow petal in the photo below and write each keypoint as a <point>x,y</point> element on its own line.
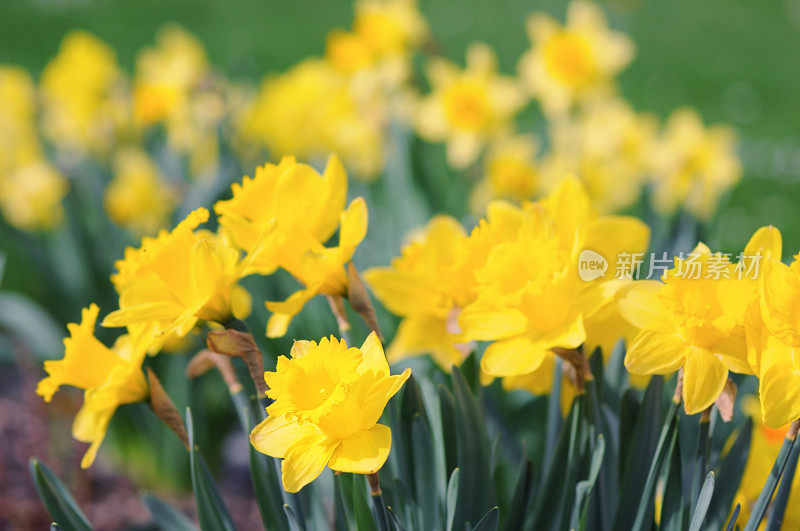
<point>283,312</point>
<point>152,311</point>
<point>733,349</point>
<point>779,386</point>
<point>704,377</point>
<point>767,241</point>
<point>639,304</point>
<point>207,266</point>
<point>363,453</point>
<point>655,352</point>
<point>275,435</point>
<point>489,324</point>
<point>401,293</point>
<point>378,395</point>
<point>305,460</point>
<point>353,227</point>
<point>512,357</point>
<point>373,358</point>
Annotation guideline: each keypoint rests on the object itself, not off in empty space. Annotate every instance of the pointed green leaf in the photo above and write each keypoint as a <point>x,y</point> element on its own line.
<point>294,524</point>
<point>760,507</point>
<point>583,490</point>
<point>56,498</point>
<point>452,498</point>
<point>735,516</point>
<point>729,477</point>
<point>489,522</point>
<point>211,510</point>
<point>674,513</point>
<point>778,507</point>
<point>166,517</point>
<point>517,508</point>
<point>703,501</point>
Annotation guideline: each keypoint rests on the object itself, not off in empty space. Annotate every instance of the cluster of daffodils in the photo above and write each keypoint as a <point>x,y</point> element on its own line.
<point>513,281</point>
<point>180,280</point>
<point>589,130</point>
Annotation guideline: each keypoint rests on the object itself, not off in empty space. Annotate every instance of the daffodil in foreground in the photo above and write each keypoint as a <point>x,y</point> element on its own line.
<point>110,376</point>
<point>327,400</point>
<point>467,106</point>
<point>575,62</point>
<point>177,278</point>
<point>694,320</point>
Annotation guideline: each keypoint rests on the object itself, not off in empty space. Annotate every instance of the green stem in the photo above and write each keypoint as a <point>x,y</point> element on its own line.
<point>378,506</point>
<point>778,508</point>
<point>760,507</point>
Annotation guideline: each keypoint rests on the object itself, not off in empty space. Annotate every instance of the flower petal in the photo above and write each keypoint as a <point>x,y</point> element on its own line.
<point>275,435</point>
<point>373,358</point>
<point>305,460</point>
<point>655,352</point>
<point>704,377</point>
<point>512,357</point>
<point>363,453</point>
<point>491,324</point>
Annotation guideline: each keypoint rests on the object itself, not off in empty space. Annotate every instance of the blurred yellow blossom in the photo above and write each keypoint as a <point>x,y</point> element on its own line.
<point>427,286</point>
<point>84,102</point>
<point>327,400</point>
<point>608,146</point>
<point>693,165</point>
<point>575,62</point>
<point>467,107</point>
<point>310,111</point>
<point>138,197</point>
<point>389,27</point>
<point>110,376</point>
<point>19,142</point>
<point>31,194</point>
<point>177,278</point>
<point>511,172</point>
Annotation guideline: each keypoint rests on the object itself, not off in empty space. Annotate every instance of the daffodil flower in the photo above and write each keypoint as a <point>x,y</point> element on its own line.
<point>327,400</point>
<point>110,376</point>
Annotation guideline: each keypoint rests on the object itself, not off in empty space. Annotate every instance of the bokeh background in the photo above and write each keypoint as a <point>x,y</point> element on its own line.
<point>735,61</point>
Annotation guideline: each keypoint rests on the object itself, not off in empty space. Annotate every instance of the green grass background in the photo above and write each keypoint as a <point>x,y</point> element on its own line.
<point>736,61</point>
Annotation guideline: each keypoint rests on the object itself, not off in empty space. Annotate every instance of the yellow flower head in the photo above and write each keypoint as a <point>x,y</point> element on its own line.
<point>166,74</point>
<point>19,142</point>
<point>177,278</point>
<point>310,111</point>
<point>511,172</point>
<point>693,165</point>
<point>389,27</point>
<point>138,197</point>
<point>575,62</point>
<point>530,297</point>
<point>80,94</point>
<point>110,377</point>
<point>426,286</point>
<point>328,399</point>
<point>31,194</point>
<point>695,319</point>
<point>608,146</point>
<point>467,107</point>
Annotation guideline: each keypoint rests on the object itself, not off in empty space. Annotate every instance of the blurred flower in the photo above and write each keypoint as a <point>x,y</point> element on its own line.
<point>310,111</point>
<point>693,165</point>
<point>389,27</point>
<point>327,400</point>
<point>427,286</point>
<point>19,142</point>
<point>31,194</point>
<point>84,103</point>
<point>467,107</point>
<point>178,278</point>
<point>575,62</point>
<point>693,320</point>
<point>138,198</point>
<point>764,447</point>
<point>511,172</point>
<point>110,377</point>
<point>608,146</point>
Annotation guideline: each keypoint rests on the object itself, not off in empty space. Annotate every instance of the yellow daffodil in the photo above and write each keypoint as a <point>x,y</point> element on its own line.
<point>138,197</point>
<point>530,296</point>
<point>310,111</point>
<point>540,382</point>
<point>511,172</point>
<point>110,376</point>
<point>389,27</point>
<point>19,142</point>
<point>31,194</point>
<point>608,146</point>
<point>427,286</point>
<point>575,62</point>
<point>466,107</point>
<point>177,278</point>
<point>327,400</point>
<point>693,165</point>
<point>83,103</point>
<point>695,320</point>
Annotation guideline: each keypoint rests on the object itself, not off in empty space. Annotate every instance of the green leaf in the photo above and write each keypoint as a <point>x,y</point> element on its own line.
<point>475,483</point>
<point>425,474</point>
<point>267,490</point>
<point>734,517</point>
<point>778,507</point>
<point>760,507</point>
<point>674,513</point>
<point>452,498</point>
<point>447,409</point>
<point>56,498</point>
<point>165,516</point>
<point>583,490</point>
<point>517,508</point>
<point>703,501</point>
<point>211,510</point>
<point>361,509</point>
<point>489,522</point>
<point>294,524</point>
<point>31,324</point>
<point>729,477</point>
